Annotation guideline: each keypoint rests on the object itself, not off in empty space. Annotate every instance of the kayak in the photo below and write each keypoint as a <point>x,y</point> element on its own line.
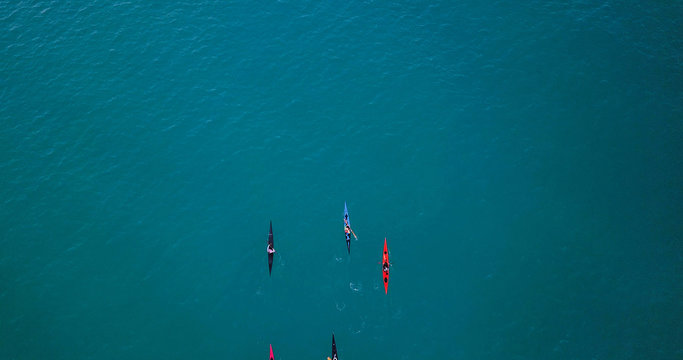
<point>347,221</point>
<point>334,348</point>
<point>270,256</point>
<point>385,260</point>
<point>271,353</point>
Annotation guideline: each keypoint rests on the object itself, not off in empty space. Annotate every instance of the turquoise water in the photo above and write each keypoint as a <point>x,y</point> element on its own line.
<point>523,161</point>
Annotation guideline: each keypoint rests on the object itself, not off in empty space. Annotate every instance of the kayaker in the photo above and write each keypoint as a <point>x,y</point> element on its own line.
<point>348,231</point>
<point>385,267</point>
<point>270,249</point>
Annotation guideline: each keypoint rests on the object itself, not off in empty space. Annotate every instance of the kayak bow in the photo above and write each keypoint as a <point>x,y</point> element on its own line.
<point>385,261</point>
<point>271,353</point>
<point>270,241</point>
<point>334,348</point>
<point>347,221</point>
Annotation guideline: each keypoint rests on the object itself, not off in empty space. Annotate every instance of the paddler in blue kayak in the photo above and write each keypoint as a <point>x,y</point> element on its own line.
<point>348,231</point>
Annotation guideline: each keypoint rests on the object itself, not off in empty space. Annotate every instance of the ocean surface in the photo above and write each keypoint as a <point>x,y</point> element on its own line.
<point>523,159</point>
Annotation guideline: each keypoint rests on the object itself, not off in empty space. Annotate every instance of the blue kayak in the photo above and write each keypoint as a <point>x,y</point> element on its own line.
<point>347,221</point>
<point>270,256</point>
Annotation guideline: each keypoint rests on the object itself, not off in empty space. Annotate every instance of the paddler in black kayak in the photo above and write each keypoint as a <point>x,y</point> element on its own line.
<point>270,248</point>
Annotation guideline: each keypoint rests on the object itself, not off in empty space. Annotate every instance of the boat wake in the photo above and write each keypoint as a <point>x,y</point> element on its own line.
<point>358,329</point>
<point>340,307</point>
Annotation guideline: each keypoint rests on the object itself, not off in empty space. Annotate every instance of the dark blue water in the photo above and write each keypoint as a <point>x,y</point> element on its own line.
<point>523,161</point>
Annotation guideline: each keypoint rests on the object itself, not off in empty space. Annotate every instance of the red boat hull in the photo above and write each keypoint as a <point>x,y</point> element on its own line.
<point>385,260</point>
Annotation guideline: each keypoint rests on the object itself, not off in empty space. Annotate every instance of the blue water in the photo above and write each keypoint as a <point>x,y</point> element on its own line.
<point>523,160</point>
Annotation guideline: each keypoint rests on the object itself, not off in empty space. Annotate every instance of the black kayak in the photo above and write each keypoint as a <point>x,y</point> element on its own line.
<point>334,348</point>
<point>270,256</point>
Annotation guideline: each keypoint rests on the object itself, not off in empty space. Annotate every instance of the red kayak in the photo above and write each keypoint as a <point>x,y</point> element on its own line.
<point>385,266</point>
<point>271,353</point>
